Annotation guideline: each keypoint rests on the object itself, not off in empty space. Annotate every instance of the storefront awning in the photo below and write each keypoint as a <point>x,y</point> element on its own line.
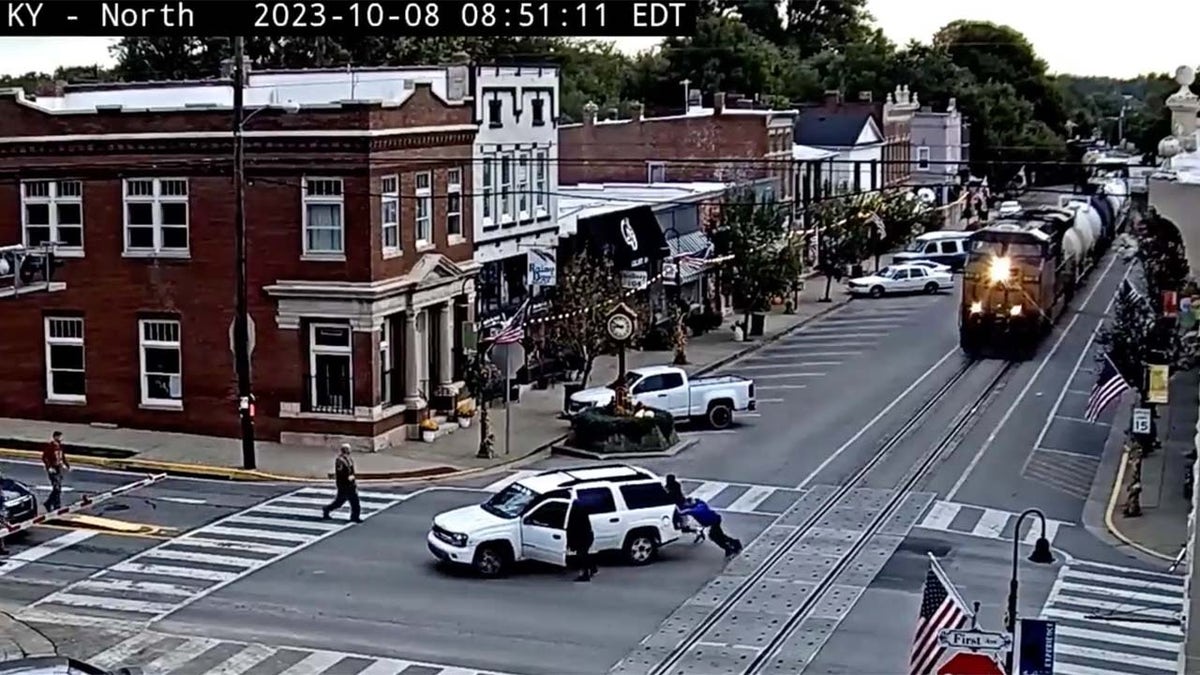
<point>688,251</point>
<point>692,243</point>
<point>630,238</point>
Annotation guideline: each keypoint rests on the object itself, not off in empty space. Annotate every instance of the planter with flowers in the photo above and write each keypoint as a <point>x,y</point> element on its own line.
<point>464,414</point>
<point>429,429</point>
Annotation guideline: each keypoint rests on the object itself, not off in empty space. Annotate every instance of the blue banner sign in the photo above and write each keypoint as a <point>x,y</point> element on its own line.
<point>1037,647</point>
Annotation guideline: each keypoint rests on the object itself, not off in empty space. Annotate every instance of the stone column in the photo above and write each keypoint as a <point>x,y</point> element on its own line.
<point>412,361</point>
<point>446,346</point>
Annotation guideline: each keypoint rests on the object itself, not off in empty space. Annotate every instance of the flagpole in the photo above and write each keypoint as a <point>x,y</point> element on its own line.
<point>950,588</point>
<point>507,399</point>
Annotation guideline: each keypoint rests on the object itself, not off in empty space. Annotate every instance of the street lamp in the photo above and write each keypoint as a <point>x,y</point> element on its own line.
<point>1042,556</point>
<point>241,322</point>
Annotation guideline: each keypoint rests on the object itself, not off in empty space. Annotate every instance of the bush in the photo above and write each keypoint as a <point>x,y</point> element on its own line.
<point>599,430</point>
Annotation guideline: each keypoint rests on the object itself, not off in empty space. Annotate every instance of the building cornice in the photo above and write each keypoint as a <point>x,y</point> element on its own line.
<point>307,134</point>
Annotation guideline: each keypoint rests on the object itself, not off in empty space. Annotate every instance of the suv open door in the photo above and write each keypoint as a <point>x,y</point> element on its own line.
<point>544,532</point>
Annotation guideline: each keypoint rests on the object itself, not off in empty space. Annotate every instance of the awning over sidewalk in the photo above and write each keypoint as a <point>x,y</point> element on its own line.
<point>631,237</point>
<point>688,251</point>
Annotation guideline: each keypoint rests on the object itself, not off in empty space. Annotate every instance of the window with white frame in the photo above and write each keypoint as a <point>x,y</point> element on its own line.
<point>541,188</point>
<point>424,192</point>
<point>324,210</point>
<point>65,379</point>
<point>385,362</point>
<point>53,213</point>
<point>330,356</point>
<point>923,158</point>
<point>454,226</point>
<point>523,186</point>
<point>656,172</point>
<point>156,215</point>
<point>489,193</point>
<point>389,213</point>
<point>506,201</point>
<point>161,362</point>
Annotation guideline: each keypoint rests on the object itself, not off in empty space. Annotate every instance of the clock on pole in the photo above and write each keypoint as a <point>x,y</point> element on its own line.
<point>621,325</point>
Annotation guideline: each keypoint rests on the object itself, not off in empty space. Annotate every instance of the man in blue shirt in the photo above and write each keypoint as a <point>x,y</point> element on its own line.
<point>706,517</point>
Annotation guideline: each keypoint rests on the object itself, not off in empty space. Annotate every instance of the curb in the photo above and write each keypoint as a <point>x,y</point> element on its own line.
<point>1112,504</point>
<point>568,451</point>
<point>27,641</point>
<point>445,472</point>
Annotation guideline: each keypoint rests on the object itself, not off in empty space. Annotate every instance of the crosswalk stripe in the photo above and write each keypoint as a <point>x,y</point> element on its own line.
<point>118,654</point>
<point>707,490</point>
<point>1107,655</point>
<point>29,555</point>
<point>314,663</point>
<point>1084,565</point>
<point>127,586</point>
<point>1154,598</point>
<point>286,510</point>
<point>244,660</point>
<point>260,533</point>
<point>1088,576</point>
<point>110,603</point>
<point>179,656</point>
<point>750,500</point>
<point>230,545</point>
<point>387,667</point>
<point>1085,617</point>
<point>173,571</point>
<point>790,363</point>
<point>1035,531</point>
<point>784,376</point>
<point>991,523</point>
<point>203,558</point>
<point>363,495</point>
<point>940,516</point>
<point>1064,631</point>
<point>317,527</point>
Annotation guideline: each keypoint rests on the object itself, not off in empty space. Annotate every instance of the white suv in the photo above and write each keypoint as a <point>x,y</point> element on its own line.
<point>631,513</point>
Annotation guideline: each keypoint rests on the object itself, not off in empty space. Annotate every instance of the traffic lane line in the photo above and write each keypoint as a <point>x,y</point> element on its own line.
<point>20,559</point>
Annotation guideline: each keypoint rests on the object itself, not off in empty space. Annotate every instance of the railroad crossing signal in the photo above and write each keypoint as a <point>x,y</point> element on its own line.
<point>969,663</point>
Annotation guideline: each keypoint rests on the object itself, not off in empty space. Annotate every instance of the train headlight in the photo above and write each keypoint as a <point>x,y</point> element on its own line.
<point>977,307</point>
<point>1000,270</point>
<point>1015,310</point>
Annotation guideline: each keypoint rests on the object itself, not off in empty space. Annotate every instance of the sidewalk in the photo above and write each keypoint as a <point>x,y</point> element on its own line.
<point>1161,530</point>
<point>534,419</point>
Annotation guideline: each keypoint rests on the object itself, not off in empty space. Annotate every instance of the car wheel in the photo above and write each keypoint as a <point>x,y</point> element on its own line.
<point>877,291</point>
<point>931,287</point>
<point>640,548</point>
<point>490,562</point>
<point>719,416</point>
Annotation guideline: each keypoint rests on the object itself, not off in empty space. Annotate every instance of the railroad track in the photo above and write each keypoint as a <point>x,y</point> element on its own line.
<point>784,629</point>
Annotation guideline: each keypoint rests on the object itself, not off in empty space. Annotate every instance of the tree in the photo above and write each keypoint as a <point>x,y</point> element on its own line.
<point>480,375</point>
<point>765,260</point>
<point>845,235</point>
<point>1161,254</point>
<point>905,216</point>
<point>588,289</point>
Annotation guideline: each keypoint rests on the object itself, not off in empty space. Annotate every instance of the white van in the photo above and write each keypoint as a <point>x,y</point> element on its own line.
<point>948,248</point>
<point>631,512</point>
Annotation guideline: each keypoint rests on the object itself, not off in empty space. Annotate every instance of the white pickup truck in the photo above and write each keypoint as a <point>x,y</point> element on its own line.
<point>712,400</point>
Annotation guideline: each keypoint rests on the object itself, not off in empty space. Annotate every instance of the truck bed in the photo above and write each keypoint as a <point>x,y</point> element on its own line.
<point>718,379</point>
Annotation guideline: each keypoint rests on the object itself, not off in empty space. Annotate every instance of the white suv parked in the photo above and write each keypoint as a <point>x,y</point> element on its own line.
<point>631,513</point>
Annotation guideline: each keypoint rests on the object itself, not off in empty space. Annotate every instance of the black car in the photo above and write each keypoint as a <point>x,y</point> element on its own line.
<point>20,501</point>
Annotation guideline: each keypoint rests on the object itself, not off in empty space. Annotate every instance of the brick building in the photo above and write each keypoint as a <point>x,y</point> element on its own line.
<point>358,236</point>
<point>729,142</point>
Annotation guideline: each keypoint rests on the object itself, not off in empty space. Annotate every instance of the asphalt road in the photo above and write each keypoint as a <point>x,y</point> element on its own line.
<point>367,599</point>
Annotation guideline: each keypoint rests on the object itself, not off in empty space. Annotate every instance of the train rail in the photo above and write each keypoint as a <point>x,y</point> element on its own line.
<point>783,630</point>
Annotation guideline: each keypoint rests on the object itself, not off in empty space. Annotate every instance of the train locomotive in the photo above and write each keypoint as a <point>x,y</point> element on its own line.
<point>1024,269</point>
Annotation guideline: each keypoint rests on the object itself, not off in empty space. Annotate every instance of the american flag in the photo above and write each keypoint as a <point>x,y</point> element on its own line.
<point>941,609</point>
<point>513,330</point>
<point>1109,387</point>
<point>1130,293</point>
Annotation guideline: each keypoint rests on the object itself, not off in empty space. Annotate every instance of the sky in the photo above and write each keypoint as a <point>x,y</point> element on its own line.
<point>1074,36</point>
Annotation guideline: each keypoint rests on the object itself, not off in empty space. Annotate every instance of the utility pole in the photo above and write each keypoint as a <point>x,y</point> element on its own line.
<point>241,319</point>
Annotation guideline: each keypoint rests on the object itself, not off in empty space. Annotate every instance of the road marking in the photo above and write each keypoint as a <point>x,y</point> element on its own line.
<point>991,523</point>
<point>364,495</point>
<point>258,534</point>
<point>117,604</point>
<point>707,490</point>
<point>227,545</point>
<point>182,500</point>
<point>783,376</point>
<point>832,333</point>
<point>941,515</point>
<point>791,363</point>
<point>35,553</point>
<point>770,400</point>
<point>1081,392</point>
<point>203,558</point>
<point>180,655</point>
<point>171,570</point>
<point>1090,616</point>
<point>119,653</point>
<point>987,443</point>
<point>314,501</point>
<point>874,420</point>
<point>287,510</point>
<point>1107,579</point>
<point>750,500</point>
<point>838,353</point>
<point>314,663</point>
<point>1081,421</point>
<point>244,660</point>
<point>313,525</point>
<point>126,586</point>
<point>1115,638</point>
<point>747,414</point>
<point>1035,532</point>
<point>773,387</point>
<point>1068,453</point>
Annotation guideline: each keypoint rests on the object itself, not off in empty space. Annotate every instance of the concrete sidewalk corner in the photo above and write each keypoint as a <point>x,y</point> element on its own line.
<point>20,641</point>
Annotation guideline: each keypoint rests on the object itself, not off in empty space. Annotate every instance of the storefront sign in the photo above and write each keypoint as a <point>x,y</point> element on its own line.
<point>634,279</point>
<point>542,269</point>
<point>1170,303</point>
<point>1157,384</point>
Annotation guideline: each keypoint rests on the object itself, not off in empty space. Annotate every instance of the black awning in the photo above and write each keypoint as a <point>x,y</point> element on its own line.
<point>630,238</point>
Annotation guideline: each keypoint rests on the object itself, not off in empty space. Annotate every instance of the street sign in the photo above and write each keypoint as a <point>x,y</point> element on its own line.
<point>1037,647</point>
<point>250,334</point>
<point>968,663</point>
<point>1141,420</point>
<point>975,640</point>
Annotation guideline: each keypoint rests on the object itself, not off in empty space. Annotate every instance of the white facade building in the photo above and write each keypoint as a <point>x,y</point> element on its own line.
<point>516,177</point>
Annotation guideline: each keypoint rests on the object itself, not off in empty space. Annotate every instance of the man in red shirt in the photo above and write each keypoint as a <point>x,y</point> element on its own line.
<point>56,465</point>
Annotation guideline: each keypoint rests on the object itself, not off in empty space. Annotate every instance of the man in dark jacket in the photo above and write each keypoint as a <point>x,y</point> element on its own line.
<point>706,517</point>
<point>675,492</point>
<point>347,486</point>
<point>580,539</point>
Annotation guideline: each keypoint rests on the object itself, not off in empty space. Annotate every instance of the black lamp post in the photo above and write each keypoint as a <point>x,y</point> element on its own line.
<point>1042,556</point>
<point>241,318</point>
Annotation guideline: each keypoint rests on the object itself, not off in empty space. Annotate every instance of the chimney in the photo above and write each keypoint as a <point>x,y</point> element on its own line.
<point>719,102</point>
<point>636,111</point>
<point>227,68</point>
<point>952,106</point>
<point>589,113</point>
<point>458,71</point>
<point>832,97</point>
<point>865,96</point>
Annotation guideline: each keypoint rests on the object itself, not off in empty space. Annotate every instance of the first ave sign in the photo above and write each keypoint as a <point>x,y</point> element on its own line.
<point>975,640</point>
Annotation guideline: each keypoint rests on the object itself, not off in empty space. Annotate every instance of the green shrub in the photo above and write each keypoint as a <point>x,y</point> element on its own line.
<point>599,430</point>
